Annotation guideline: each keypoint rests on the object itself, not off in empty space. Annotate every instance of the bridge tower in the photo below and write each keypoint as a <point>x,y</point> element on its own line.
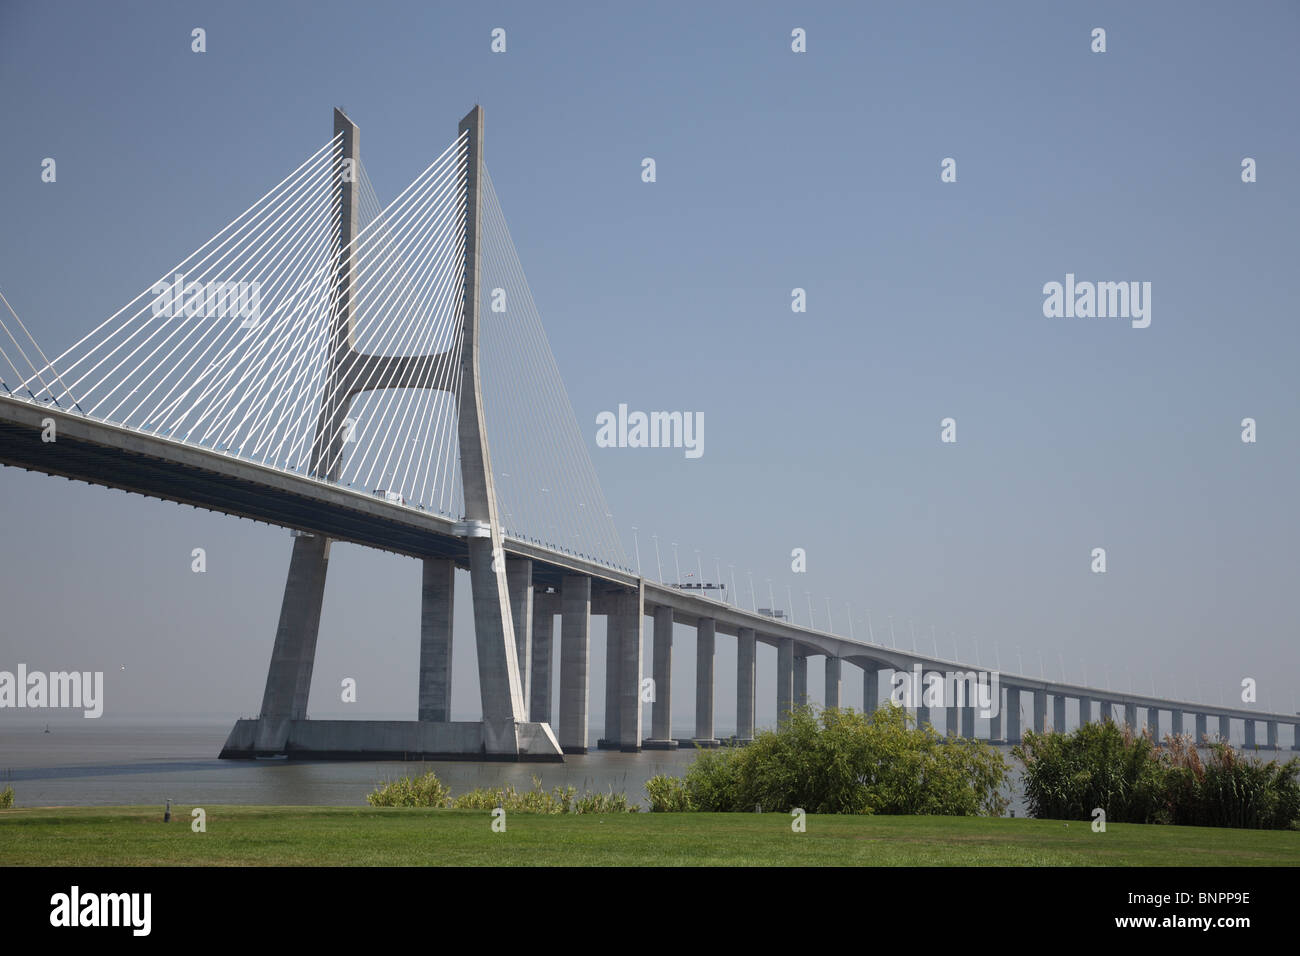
<point>504,730</point>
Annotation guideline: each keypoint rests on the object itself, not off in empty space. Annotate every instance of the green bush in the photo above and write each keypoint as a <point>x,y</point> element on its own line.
<point>667,794</point>
<point>425,791</point>
<point>429,791</point>
<point>6,798</point>
<point>842,761</point>
<point>1136,780</point>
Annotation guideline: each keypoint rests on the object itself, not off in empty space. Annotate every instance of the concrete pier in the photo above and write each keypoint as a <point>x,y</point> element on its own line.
<point>519,582</point>
<point>705,648</point>
<point>1013,715</point>
<point>575,662</point>
<point>1225,728</point>
<point>1250,734</point>
<point>437,593</point>
<point>870,690</point>
<point>545,607</point>
<point>995,720</point>
<point>1270,729</point>
<point>629,615</point>
<point>951,722</point>
<point>1040,711</point>
<point>609,740</point>
<point>1153,723</point>
<point>1131,716</point>
<point>922,716</point>
<point>968,722</point>
<point>1176,722</point>
<point>1058,713</point>
<point>661,711</point>
<point>1105,711</point>
<point>746,671</point>
<point>1202,728</point>
<point>1085,710</point>
<point>800,679</point>
<point>784,679</point>
<point>833,668</point>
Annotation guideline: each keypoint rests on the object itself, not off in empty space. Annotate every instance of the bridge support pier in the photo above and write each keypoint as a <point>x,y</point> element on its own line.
<point>705,647</point>
<point>1105,711</point>
<point>1085,710</point>
<point>1202,729</point>
<point>968,722</point>
<point>437,593</point>
<point>545,607</point>
<point>575,662</point>
<point>628,618</point>
<point>833,667</point>
<point>1153,723</point>
<point>1225,728</point>
<point>1013,715</point>
<point>800,679</point>
<point>1250,734</point>
<point>1040,711</point>
<point>746,671</point>
<point>1270,729</point>
<point>951,721</point>
<point>1058,713</point>
<point>1131,716</point>
<point>785,688</point>
<point>519,583</point>
<point>1176,722</point>
<point>923,715</point>
<point>661,710</point>
<point>995,718</point>
<point>870,690</point>
<point>610,739</point>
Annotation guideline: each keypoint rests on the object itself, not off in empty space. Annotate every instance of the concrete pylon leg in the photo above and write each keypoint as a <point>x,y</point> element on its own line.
<point>1013,715</point>
<point>1085,710</point>
<point>995,718</point>
<point>951,722</point>
<point>539,694</point>
<point>288,679</point>
<point>519,582</point>
<point>705,648</point>
<point>1058,713</point>
<point>437,593</point>
<point>870,690</point>
<point>628,619</point>
<point>661,711</point>
<point>1271,730</point>
<point>746,670</point>
<point>968,722</point>
<point>613,677</point>
<point>784,679</point>
<point>1040,711</point>
<point>1153,723</point>
<point>1250,734</point>
<point>1225,728</point>
<point>1176,722</point>
<point>800,680</point>
<point>575,662</point>
<point>1202,729</point>
<point>833,670</point>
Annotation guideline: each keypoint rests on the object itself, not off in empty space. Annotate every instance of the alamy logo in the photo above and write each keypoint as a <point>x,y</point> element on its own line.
<point>56,689</point>
<point>75,908</point>
<point>982,689</point>
<point>208,300</point>
<point>653,430</point>
<point>1101,300</point>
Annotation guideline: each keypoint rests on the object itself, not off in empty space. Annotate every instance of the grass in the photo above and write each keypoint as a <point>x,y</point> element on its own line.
<point>366,836</point>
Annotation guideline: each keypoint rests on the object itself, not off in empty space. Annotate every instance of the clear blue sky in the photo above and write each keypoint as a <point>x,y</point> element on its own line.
<point>775,171</point>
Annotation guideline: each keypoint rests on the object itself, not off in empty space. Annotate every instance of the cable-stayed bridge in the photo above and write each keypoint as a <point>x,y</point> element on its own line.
<point>380,375</point>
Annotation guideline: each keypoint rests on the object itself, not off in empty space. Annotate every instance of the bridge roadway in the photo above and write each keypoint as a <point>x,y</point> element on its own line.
<point>115,456</point>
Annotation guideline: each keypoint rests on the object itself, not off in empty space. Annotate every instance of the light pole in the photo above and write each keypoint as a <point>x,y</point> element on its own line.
<point>830,618</point>
<point>677,564</point>
<point>637,545</point>
<point>848,608</point>
<point>659,564</point>
<point>789,601</point>
<point>812,622</point>
<point>892,641</point>
<point>753,604</point>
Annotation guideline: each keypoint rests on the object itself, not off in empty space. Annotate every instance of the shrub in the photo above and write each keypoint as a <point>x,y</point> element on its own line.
<point>1136,780</point>
<point>608,802</point>
<point>667,794</point>
<point>844,762</point>
<point>425,791</point>
<point>6,798</point>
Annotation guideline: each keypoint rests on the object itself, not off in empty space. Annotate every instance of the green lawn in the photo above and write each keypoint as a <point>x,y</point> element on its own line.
<point>331,836</point>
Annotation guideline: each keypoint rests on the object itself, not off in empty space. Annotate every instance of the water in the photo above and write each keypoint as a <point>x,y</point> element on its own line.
<point>97,763</point>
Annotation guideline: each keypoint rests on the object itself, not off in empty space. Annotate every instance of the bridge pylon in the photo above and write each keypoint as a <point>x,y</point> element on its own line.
<point>504,732</point>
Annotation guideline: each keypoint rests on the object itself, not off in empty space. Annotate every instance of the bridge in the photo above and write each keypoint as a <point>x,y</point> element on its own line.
<point>337,368</point>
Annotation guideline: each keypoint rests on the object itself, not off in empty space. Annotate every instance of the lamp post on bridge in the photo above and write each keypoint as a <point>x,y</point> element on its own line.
<point>677,564</point>
<point>658,563</point>
<point>637,545</point>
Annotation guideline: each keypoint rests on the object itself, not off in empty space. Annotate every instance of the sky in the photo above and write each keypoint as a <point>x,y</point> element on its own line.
<point>775,170</point>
